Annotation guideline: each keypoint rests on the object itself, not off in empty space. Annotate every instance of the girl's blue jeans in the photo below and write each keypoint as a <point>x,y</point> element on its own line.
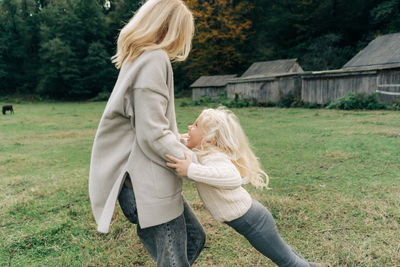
<point>258,226</point>
<point>174,243</point>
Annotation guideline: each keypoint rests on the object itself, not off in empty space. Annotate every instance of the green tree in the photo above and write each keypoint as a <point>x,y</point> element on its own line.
<point>324,52</point>
<point>59,72</point>
<point>62,48</point>
<point>99,73</point>
<point>79,29</point>
<point>219,41</point>
<point>18,46</point>
<point>385,16</point>
<point>118,15</point>
<point>310,30</point>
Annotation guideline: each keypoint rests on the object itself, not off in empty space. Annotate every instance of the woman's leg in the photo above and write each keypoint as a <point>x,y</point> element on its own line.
<point>167,242</point>
<point>258,226</point>
<point>175,243</point>
<point>127,202</point>
<point>196,236</point>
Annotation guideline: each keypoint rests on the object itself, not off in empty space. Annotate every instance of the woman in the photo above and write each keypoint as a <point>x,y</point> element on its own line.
<point>138,128</point>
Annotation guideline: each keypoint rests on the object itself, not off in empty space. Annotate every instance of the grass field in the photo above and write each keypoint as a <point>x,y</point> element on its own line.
<point>335,179</point>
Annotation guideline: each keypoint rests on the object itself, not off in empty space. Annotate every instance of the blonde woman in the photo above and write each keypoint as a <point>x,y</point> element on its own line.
<point>138,128</point>
<point>225,156</point>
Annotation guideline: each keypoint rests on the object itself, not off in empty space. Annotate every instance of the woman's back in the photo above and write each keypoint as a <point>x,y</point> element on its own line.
<point>115,142</point>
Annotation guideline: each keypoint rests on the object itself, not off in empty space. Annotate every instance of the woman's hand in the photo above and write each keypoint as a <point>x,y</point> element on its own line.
<point>180,166</point>
<point>183,138</point>
<point>185,135</point>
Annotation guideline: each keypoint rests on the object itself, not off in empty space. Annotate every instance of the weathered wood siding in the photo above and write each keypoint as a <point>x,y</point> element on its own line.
<point>264,90</point>
<point>245,89</point>
<point>282,86</point>
<point>321,88</point>
<point>389,81</point>
<point>212,92</point>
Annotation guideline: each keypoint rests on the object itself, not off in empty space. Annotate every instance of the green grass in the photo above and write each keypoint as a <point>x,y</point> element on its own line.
<point>335,177</point>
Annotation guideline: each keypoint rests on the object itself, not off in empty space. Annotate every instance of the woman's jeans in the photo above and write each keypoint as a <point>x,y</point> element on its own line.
<point>258,226</point>
<point>174,243</point>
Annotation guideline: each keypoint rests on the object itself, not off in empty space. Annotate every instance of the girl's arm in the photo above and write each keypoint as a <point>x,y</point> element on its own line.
<point>218,171</point>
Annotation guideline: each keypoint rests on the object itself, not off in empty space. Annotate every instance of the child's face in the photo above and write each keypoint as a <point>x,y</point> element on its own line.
<point>195,133</point>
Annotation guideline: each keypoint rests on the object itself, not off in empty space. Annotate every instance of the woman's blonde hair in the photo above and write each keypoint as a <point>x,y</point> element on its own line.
<point>222,132</point>
<point>158,24</point>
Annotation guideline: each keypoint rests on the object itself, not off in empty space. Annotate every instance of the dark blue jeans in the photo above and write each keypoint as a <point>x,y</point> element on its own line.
<point>174,243</point>
<point>258,226</point>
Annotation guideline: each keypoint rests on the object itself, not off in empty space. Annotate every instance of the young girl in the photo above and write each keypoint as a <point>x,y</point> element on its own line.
<point>225,157</point>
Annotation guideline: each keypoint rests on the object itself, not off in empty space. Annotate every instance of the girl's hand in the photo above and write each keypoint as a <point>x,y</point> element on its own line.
<point>180,166</point>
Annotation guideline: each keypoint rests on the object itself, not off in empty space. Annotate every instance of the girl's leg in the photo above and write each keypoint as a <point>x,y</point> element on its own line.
<point>258,226</point>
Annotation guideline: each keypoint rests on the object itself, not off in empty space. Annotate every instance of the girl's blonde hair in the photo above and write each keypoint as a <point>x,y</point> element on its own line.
<point>158,24</point>
<point>222,132</point>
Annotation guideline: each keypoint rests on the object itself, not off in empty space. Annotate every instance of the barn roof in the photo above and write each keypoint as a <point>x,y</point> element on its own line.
<point>212,81</point>
<point>382,51</point>
<point>271,68</point>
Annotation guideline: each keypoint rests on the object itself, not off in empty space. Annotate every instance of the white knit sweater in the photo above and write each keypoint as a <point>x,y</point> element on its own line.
<point>219,185</point>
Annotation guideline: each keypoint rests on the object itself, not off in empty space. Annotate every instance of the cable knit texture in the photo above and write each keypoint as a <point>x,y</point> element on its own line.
<point>219,185</point>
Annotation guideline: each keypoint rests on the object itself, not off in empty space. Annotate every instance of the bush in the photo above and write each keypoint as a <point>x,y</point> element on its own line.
<point>269,103</point>
<point>350,101</point>
<point>312,105</point>
<point>23,98</point>
<point>286,101</point>
<point>220,100</point>
<point>102,96</point>
<point>357,101</point>
<point>290,101</point>
<point>239,103</point>
<point>184,104</point>
<point>396,105</point>
<point>202,101</point>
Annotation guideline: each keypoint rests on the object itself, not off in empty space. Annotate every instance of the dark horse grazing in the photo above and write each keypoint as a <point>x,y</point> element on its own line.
<point>7,107</point>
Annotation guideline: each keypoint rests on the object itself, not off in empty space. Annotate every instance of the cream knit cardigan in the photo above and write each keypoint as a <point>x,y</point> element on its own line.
<point>218,183</point>
<point>137,129</point>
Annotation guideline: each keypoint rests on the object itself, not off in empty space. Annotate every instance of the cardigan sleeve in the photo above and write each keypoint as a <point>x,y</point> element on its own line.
<point>151,98</point>
<point>217,171</point>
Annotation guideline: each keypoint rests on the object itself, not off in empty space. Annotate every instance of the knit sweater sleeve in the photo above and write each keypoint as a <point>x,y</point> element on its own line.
<point>216,170</point>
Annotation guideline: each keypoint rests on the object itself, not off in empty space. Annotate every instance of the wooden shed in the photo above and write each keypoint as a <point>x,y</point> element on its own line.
<point>267,81</point>
<point>272,68</point>
<point>212,86</point>
<point>376,68</point>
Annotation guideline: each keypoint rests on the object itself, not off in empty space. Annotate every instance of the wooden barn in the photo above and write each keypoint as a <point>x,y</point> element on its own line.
<point>376,68</point>
<point>267,81</point>
<point>212,86</point>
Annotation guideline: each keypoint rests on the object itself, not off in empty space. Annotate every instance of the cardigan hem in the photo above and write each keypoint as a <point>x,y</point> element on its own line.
<point>174,205</point>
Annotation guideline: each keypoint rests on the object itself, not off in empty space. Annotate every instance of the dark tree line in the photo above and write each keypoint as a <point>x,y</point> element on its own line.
<point>61,48</point>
